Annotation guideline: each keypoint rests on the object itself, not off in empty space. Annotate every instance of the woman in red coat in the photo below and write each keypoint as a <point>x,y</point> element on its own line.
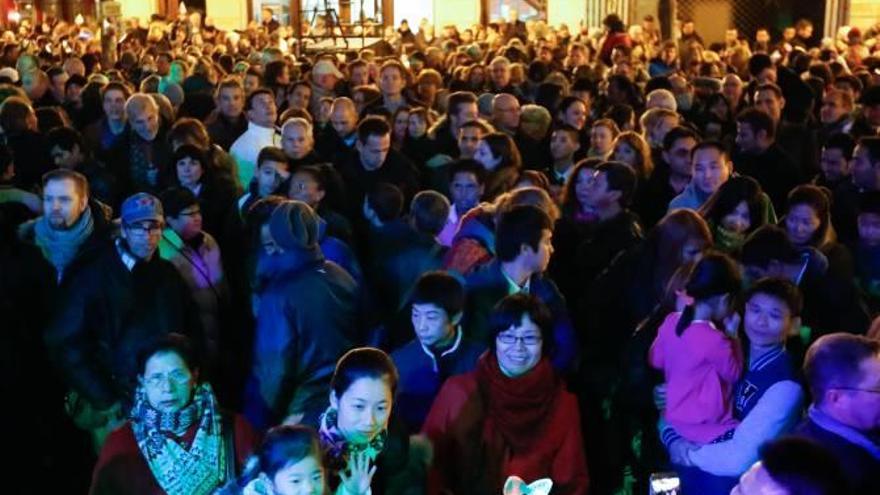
<point>511,416</point>
<point>178,441</point>
<point>615,35</point>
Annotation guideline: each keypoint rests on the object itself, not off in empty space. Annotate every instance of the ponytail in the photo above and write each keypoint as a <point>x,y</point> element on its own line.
<point>714,275</point>
<point>687,316</point>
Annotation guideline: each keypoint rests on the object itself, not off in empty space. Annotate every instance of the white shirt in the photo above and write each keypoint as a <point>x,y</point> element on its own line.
<point>515,288</point>
<point>247,147</point>
<point>127,259</point>
<point>563,176</point>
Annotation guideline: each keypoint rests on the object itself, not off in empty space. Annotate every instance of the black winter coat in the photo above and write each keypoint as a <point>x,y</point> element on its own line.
<point>306,319</point>
<point>583,251</point>
<point>106,314</point>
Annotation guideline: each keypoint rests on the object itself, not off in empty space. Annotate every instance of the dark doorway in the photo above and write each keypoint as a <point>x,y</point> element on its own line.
<point>192,5</point>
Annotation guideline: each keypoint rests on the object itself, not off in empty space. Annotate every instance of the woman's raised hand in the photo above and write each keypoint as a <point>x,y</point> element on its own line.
<point>357,482</point>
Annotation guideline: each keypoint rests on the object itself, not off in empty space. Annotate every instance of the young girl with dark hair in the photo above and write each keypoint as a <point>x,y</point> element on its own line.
<point>701,362</point>
<point>289,462</point>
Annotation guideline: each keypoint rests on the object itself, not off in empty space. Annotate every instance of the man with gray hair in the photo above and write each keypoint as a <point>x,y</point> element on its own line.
<point>661,98</point>
<point>534,124</point>
<point>143,155</point>
<point>298,143</point>
<point>499,78</point>
<point>506,113</point>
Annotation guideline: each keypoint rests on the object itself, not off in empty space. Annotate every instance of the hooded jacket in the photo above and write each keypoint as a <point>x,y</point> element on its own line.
<point>306,319</point>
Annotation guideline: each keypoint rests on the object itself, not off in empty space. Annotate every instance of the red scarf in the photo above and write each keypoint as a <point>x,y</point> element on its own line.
<point>516,408</point>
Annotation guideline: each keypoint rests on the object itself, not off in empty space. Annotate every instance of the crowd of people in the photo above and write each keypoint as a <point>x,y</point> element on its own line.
<point>491,257</point>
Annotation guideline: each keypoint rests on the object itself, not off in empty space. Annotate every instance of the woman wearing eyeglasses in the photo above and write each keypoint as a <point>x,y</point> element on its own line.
<point>511,416</point>
<point>178,441</point>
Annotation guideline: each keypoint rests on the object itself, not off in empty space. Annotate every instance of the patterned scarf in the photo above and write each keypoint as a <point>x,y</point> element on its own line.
<point>60,246</point>
<point>180,471</point>
<point>337,448</point>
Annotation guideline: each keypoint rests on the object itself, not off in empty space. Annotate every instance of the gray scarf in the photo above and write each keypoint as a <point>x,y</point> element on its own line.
<point>61,246</point>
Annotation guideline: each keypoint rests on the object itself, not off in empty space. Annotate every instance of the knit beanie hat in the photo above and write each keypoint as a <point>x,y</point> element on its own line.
<point>294,226</point>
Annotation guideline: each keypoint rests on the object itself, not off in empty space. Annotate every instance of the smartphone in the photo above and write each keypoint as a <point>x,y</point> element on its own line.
<point>665,484</point>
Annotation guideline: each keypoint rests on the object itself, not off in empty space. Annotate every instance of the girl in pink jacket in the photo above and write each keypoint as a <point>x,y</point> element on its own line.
<point>700,361</point>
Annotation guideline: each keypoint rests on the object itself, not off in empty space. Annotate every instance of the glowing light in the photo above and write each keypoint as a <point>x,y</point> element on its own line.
<point>14,16</point>
<point>79,20</point>
<point>182,9</point>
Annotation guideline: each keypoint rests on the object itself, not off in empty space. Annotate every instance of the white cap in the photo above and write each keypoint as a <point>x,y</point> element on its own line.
<point>325,66</point>
<point>9,72</point>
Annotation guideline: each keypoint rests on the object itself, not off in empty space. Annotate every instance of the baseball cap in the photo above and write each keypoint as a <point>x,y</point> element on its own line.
<point>9,72</point>
<point>141,207</point>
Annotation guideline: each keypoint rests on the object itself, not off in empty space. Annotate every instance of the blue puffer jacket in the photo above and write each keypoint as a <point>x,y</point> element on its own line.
<point>305,321</point>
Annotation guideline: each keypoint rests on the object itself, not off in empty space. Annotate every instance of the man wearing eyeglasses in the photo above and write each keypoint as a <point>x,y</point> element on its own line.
<point>110,309</point>
<point>843,372</point>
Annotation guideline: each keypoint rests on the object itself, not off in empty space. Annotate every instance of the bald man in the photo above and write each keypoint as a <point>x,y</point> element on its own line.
<point>143,154</point>
<point>337,140</point>
<point>732,89</point>
<point>506,113</point>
